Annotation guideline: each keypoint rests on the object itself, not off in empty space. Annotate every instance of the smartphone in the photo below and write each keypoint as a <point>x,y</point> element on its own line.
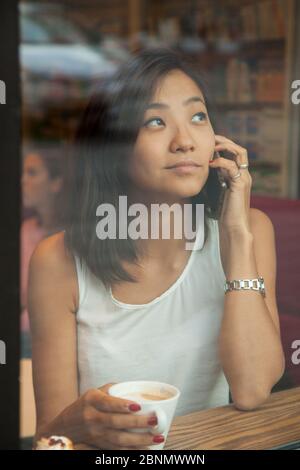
<point>224,186</point>
<point>221,178</point>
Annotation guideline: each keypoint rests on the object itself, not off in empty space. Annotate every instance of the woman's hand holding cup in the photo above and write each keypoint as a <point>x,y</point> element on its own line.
<point>105,420</point>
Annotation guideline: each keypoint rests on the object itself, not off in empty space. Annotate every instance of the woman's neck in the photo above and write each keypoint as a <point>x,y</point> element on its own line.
<point>166,232</point>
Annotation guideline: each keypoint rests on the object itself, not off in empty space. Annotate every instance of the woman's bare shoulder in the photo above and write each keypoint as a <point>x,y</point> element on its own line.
<point>51,251</point>
<point>51,260</point>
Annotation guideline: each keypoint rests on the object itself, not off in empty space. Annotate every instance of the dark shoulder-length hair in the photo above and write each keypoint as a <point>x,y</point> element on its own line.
<point>104,141</point>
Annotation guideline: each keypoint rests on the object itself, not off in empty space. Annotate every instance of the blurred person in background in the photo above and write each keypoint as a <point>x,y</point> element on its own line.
<point>42,183</point>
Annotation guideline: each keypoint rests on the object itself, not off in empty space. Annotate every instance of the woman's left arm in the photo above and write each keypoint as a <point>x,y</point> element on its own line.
<point>250,347</point>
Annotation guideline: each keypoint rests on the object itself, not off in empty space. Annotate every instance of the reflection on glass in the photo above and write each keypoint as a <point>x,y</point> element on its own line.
<point>42,185</point>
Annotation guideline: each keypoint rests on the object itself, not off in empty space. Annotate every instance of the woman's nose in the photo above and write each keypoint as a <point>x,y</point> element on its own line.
<point>182,142</point>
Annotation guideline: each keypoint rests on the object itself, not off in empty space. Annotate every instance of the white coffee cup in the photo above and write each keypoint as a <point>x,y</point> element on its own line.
<point>154,398</point>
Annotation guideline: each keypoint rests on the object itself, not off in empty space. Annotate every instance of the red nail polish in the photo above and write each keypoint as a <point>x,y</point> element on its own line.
<point>152,421</point>
<point>158,439</point>
<point>134,407</point>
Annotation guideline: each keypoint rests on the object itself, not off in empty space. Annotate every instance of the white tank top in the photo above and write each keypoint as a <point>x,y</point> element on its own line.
<point>173,338</point>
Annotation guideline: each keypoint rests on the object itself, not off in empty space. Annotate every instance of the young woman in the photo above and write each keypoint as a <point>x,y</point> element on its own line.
<point>118,309</point>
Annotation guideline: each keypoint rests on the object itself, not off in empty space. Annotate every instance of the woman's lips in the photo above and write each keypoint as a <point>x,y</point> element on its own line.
<point>184,167</point>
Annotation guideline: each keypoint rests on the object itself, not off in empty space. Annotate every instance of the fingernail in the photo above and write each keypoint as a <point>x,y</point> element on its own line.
<point>158,439</point>
<point>152,421</point>
<point>134,407</point>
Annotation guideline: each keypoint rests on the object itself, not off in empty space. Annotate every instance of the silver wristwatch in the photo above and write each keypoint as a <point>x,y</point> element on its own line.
<point>240,284</point>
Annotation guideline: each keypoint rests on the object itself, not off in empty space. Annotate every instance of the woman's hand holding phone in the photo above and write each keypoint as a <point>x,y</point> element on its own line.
<point>235,214</point>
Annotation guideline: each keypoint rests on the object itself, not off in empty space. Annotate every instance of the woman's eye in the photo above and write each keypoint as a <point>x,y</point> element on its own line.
<point>201,115</point>
<point>153,120</point>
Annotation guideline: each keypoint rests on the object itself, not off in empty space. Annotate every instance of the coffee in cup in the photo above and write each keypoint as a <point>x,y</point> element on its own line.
<point>150,396</point>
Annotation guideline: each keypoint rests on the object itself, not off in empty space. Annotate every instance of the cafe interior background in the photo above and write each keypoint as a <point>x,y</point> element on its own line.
<point>249,54</point>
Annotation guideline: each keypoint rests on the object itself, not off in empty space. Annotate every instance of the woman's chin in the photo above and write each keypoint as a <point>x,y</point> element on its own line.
<point>180,196</point>
<point>189,190</point>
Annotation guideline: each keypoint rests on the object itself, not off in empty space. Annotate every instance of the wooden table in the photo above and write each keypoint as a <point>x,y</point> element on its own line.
<point>275,423</point>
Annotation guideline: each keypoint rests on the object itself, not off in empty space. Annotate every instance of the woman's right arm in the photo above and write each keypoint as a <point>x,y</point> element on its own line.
<point>94,418</point>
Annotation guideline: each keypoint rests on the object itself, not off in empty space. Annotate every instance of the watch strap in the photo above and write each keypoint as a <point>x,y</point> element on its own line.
<point>246,284</point>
